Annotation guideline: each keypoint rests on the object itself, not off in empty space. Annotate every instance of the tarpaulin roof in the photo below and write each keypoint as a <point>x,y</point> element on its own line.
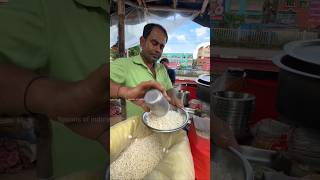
<point>165,8</point>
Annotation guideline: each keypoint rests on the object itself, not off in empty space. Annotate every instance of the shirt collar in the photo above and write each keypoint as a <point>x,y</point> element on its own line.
<point>138,60</point>
<point>94,3</point>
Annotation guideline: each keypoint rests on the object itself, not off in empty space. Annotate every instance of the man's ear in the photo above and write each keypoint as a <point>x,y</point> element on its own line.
<point>142,41</point>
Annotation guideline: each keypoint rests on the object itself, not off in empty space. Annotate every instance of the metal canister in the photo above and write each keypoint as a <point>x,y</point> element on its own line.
<point>235,108</point>
<point>157,103</point>
<point>184,97</point>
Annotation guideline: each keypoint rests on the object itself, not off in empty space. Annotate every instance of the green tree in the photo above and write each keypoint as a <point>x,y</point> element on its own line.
<point>134,51</point>
<point>114,54</point>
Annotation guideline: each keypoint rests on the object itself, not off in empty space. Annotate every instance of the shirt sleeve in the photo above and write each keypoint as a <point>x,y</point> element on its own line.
<point>118,71</point>
<point>23,34</point>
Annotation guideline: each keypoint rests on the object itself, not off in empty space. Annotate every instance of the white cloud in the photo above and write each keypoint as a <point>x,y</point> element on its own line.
<point>175,37</point>
<point>207,38</point>
<point>201,31</point>
<point>167,49</point>
<point>181,38</point>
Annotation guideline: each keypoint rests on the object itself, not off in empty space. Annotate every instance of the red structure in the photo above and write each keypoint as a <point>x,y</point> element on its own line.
<point>304,13</point>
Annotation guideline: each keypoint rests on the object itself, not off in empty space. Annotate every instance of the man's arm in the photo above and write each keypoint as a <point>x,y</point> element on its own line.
<point>55,98</point>
<point>137,93</point>
<point>50,97</point>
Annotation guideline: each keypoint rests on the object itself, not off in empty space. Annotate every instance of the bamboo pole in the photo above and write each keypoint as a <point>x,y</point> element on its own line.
<point>121,45</point>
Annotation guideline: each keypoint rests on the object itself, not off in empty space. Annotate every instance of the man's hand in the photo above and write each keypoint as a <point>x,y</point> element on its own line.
<point>177,102</point>
<point>174,99</point>
<point>137,93</point>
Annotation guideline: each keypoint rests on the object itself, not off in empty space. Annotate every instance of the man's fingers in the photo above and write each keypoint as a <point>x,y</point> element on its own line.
<point>179,103</point>
<point>142,105</point>
<point>166,95</point>
<point>157,85</point>
<point>152,84</point>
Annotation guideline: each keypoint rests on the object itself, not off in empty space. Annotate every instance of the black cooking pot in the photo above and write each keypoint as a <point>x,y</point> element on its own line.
<point>203,88</point>
<point>298,91</point>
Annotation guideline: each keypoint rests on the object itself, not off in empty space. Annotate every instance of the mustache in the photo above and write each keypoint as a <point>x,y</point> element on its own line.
<point>156,55</point>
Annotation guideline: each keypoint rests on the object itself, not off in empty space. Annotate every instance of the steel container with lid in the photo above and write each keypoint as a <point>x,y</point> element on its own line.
<point>299,83</point>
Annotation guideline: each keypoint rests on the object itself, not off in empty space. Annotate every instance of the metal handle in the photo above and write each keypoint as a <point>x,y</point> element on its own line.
<point>247,166</point>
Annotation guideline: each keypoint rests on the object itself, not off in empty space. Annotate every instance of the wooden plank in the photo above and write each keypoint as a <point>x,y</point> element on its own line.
<point>121,25</point>
<point>204,6</point>
<point>170,9</point>
<point>139,2</point>
<point>121,45</point>
<point>175,2</point>
<point>144,3</point>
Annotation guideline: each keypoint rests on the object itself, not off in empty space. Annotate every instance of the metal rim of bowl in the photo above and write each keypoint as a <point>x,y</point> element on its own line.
<point>291,47</point>
<point>250,97</point>
<point>186,121</point>
<point>277,60</point>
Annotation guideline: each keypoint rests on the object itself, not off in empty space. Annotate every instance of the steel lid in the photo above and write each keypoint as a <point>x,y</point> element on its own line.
<point>307,50</point>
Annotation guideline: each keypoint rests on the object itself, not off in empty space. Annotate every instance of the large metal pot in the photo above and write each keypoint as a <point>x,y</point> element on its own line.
<point>298,91</point>
<point>203,88</point>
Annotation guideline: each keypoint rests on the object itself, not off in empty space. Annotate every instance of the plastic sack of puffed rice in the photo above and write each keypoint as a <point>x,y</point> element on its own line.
<point>158,155</point>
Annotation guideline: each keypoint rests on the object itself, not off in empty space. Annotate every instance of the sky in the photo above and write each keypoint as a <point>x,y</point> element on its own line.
<point>186,38</point>
<point>184,35</point>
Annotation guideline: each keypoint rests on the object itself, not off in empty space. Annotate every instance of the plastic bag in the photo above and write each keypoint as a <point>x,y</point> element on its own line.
<point>176,164</point>
<point>200,148</point>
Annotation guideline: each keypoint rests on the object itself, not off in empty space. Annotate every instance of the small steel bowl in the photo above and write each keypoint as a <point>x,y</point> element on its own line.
<point>184,113</point>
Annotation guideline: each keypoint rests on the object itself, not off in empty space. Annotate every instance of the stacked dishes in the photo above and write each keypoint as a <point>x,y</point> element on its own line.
<point>235,108</point>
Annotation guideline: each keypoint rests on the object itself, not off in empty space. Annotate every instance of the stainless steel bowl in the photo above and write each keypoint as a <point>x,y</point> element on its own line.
<point>146,116</point>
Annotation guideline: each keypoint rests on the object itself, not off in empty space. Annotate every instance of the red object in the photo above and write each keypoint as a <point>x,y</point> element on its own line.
<point>189,85</point>
<point>265,92</point>
<point>220,64</point>
<point>200,149</point>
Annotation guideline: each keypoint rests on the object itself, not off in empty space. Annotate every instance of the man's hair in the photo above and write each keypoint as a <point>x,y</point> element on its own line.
<point>164,60</point>
<point>149,27</point>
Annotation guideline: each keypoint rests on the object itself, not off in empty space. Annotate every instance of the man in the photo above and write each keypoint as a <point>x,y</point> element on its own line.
<point>52,54</point>
<point>171,72</point>
<point>134,70</point>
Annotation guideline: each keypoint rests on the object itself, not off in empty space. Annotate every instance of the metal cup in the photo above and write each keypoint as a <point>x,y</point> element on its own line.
<point>157,103</point>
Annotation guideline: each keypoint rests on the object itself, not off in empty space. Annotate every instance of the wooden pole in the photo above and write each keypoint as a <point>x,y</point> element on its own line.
<point>121,25</point>
<point>121,46</point>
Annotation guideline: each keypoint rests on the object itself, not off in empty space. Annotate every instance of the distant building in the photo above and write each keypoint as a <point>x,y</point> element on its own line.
<point>203,58</point>
<point>300,14</point>
<point>304,14</point>
<point>251,10</point>
<point>177,60</point>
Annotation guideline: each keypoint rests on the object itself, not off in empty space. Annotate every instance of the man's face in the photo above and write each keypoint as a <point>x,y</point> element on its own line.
<point>153,46</point>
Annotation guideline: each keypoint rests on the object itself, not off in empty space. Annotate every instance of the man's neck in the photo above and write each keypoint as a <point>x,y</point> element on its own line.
<point>149,64</point>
